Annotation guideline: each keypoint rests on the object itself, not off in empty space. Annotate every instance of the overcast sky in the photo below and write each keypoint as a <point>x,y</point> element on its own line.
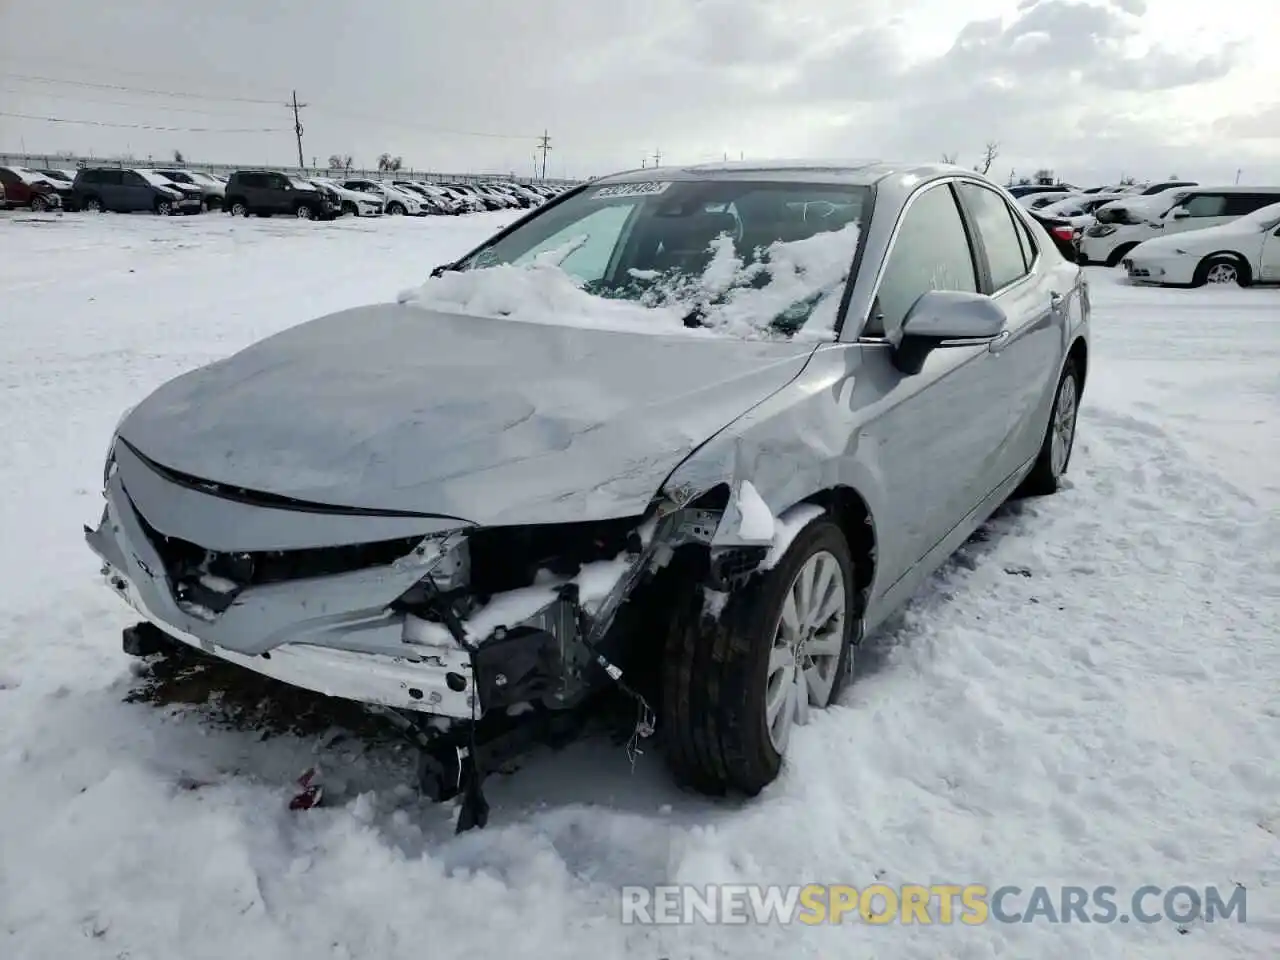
<point>1091,88</point>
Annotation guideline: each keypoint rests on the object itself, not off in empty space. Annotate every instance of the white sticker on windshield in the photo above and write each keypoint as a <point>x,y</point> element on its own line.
<point>644,189</point>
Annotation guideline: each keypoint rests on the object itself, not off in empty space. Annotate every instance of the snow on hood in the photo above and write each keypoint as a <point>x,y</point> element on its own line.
<point>728,296</point>
<point>394,408</point>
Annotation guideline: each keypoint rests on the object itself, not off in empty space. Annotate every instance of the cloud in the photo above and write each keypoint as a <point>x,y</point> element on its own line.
<point>1056,81</point>
<point>1262,124</point>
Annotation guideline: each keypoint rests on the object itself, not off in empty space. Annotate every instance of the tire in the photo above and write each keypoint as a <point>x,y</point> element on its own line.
<point>349,208</point>
<point>92,205</point>
<point>163,208</point>
<point>395,209</point>
<point>716,682</point>
<point>238,208</point>
<point>1220,269</point>
<point>1119,253</point>
<point>1055,451</point>
<point>303,211</point>
<point>39,204</point>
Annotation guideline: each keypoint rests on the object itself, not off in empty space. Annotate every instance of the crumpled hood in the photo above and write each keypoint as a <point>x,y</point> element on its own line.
<point>494,421</point>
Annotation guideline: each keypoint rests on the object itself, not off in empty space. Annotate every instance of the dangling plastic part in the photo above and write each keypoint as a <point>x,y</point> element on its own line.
<point>473,810</point>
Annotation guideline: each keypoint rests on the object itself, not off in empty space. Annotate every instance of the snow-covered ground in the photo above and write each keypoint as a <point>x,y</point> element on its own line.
<point>1088,694</point>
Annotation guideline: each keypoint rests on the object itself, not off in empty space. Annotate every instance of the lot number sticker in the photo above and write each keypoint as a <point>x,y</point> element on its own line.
<point>645,189</point>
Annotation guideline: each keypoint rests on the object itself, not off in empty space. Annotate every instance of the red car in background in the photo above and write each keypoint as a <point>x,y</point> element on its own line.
<point>26,188</point>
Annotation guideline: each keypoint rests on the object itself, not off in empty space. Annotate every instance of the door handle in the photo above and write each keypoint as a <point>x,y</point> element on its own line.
<point>1055,300</point>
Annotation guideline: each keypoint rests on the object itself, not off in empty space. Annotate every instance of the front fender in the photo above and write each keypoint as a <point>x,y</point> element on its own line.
<point>801,442</point>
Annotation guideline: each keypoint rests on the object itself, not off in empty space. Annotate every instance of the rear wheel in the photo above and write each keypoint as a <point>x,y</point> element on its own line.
<point>1059,439</point>
<point>304,212</point>
<point>238,208</point>
<point>39,204</point>
<point>92,205</point>
<point>735,686</point>
<point>395,209</point>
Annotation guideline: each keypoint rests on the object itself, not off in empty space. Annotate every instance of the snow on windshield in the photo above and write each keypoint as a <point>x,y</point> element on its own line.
<point>791,289</point>
<point>30,176</point>
<point>156,180</point>
<point>301,184</point>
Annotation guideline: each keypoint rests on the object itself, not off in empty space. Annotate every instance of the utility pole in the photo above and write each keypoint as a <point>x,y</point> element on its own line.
<point>657,157</point>
<point>544,144</point>
<point>297,128</point>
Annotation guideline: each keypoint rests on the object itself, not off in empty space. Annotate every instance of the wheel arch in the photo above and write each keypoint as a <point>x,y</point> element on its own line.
<point>1242,262</point>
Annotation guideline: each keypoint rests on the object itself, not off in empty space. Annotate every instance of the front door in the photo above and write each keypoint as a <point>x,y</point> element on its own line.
<point>1269,263</point>
<point>933,438</point>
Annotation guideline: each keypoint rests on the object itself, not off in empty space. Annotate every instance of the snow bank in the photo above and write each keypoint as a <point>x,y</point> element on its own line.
<point>794,285</point>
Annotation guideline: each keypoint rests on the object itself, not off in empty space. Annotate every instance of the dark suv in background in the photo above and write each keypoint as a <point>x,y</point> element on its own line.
<point>126,191</point>
<point>265,192</point>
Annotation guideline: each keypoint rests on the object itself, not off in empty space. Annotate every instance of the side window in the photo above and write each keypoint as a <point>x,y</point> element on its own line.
<point>133,179</point>
<point>589,243</point>
<point>8,178</point>
<point>1001,237</point>
<point>1206,205</point>
<point>1240,204</point>
<point>278,181</point>
<point>931,252</point>
<point>112,177</point>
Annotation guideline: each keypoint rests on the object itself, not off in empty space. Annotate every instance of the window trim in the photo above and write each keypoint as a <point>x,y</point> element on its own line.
<point>1016,220</point>
<point>948,182</point>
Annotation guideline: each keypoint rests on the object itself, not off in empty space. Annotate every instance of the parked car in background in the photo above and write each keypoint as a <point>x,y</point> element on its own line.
<point>1191,208</point>
<point>353,202</point>
<point>1034,201</point>
<point>98,189</point>
<point>1244,251</point>
<point>1064,234</point>
<point>265,193</point>
<point>193,197</point>
<point>437,200</point>
<point>469,201</point>
<point>395,202</point>
<point>1022,189</point>
<point>3,202</point>
<point>212,191</point>
<point>384,504</point>
<point>31,189</point>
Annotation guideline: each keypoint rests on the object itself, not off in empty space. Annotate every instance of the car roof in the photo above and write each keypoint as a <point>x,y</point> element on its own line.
<point>851,172</point>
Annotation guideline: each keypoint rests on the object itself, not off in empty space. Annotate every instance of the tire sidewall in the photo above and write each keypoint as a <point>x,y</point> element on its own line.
<point>756,610</point>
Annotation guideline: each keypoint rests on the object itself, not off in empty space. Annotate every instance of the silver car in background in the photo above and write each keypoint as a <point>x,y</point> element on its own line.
<point>759,406</point>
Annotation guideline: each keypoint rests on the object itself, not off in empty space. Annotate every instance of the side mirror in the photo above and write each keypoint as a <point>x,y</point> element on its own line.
<point>941,319</point>
<point>441,270</point>
<point>1179,213</point>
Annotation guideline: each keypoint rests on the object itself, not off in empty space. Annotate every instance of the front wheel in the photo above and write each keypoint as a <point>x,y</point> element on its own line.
<point>92,205</point>
<point>39,204</point>
<point>395,209</point>
<point>736,685</point>
<point>1219,270</point>
<point>1059,439</point>
<point>304,212</point>
<point>164,208</point>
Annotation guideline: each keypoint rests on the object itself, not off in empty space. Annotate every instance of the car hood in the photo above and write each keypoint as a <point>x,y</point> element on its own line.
<point>393,407</point>
<point>1188,239</point>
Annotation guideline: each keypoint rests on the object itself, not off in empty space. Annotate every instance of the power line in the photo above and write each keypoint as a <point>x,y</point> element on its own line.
<point>122,87</point>
<point>43,95</point>
<point>144,126</point>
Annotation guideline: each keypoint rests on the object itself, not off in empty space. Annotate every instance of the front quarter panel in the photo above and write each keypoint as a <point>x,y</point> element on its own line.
<point>802,441</point>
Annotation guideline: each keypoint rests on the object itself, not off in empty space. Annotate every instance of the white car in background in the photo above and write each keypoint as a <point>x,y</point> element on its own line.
<point>1078,210</point>
<point>353,201</point>
<point>396,203</point>
<point>1122,225</point>
<point>1038,201</point>
<point>1244,251</point>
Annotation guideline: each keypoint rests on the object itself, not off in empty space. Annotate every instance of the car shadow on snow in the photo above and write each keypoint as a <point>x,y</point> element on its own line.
<point>364,753</point>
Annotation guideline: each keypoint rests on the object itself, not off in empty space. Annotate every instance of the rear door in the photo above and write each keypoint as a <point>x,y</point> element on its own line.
<point>1269,265</point>
<point>1033,286</point>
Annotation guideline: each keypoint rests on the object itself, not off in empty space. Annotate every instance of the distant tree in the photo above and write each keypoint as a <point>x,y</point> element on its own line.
<point>950,157</point>
<point>335,161</point>
<point>396,163</point>
<point>990,152</point>
<point>1127,181</point>
<point>177,157</point>
<point>384,161</point>
<point>1043,175</point>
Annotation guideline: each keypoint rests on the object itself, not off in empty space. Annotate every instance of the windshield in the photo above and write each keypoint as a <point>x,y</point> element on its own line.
<point>745,258</point>
<point>155,179</point>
